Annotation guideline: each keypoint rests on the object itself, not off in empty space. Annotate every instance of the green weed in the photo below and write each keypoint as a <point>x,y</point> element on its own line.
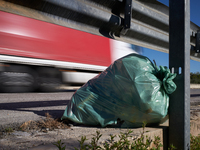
<point>127,142</point>
<point>194,142</point>
<point>9,130</point>
<point>59,144</point>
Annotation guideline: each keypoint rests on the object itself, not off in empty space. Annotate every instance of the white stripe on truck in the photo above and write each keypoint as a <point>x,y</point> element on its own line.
<point>54,63</point>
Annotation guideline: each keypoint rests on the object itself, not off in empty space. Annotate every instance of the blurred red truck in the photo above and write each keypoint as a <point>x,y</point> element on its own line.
<point>39,55</point>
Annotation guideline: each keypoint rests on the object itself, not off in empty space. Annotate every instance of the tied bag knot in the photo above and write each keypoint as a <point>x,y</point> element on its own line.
<point>166,77</point>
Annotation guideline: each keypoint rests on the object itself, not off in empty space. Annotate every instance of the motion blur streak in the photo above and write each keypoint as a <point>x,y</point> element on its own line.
<point>50,55</point>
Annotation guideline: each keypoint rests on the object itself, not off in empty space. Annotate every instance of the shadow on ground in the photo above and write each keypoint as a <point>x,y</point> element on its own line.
<point>25,106</point>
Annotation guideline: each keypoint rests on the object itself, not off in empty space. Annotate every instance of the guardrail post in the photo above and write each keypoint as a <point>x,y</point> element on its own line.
<point>179,62</point>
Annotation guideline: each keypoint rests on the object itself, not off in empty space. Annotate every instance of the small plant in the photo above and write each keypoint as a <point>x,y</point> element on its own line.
<point>94,141</point>
<point>111,144</point>
<point>172,147</point>
<point>59,144</point>
<point>122,144</point>
<point>194,142</point>
<point>93,145</point>
<point>9,130</point>
<point>157,143</point>
<point>82,145</point>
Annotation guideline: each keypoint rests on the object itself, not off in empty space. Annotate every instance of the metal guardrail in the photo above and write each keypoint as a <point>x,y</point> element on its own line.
<point>179,63</point>
<point>149,19</point>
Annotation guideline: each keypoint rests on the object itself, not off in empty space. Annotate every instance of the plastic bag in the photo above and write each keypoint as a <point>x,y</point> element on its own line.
<point>130,91</point>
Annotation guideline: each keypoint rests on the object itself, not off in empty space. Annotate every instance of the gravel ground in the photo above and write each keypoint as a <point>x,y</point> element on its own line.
<point>34,139</point>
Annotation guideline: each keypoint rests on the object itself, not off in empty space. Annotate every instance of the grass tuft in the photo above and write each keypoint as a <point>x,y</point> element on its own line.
<point>44,125</point>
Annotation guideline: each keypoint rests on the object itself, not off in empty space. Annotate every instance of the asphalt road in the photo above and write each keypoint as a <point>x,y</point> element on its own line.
<point>195,100</point>
<point>18,108</point>
<point>21,107</point>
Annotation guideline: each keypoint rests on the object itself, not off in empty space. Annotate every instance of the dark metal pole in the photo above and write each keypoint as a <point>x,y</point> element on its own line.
<point>179,62</point>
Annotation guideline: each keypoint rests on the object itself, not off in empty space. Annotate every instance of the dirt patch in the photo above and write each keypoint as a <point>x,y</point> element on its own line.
<point>33,133</point>
<point>195,123</point>
<point>45,125</point>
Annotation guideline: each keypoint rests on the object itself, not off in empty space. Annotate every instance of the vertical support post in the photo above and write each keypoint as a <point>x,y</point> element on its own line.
<point>179,62</point>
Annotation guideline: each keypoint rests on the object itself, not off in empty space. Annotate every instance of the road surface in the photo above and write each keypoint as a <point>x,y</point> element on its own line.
<point>21,107</point>
<point>18,108</point>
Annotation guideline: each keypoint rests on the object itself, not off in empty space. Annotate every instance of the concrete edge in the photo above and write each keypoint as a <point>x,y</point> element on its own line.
<point>150,132</point>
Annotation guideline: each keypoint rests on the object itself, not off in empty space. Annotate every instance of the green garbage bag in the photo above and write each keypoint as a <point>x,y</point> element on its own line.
<point>130,91</point>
